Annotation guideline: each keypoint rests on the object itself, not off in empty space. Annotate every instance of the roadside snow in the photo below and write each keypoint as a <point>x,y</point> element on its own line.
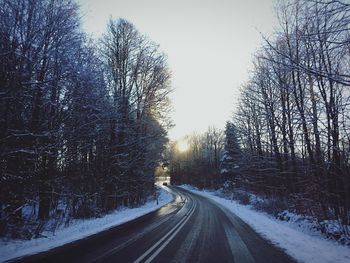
<point>79,229</point>
<point>301,246</point>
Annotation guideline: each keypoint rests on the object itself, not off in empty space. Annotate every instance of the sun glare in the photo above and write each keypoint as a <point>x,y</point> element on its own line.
<point>182,146</point>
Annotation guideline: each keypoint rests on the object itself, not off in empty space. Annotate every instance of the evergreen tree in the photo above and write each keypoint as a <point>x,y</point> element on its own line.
<point>230,160</point>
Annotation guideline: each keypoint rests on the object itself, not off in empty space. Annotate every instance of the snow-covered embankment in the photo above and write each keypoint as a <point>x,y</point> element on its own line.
<point>304,247</point>
<point>79,229</point>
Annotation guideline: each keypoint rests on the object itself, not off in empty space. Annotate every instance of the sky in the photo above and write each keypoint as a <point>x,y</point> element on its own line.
<point>209,45</point>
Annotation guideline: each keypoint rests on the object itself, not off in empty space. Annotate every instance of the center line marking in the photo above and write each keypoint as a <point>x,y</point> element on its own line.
<point>166,238</point>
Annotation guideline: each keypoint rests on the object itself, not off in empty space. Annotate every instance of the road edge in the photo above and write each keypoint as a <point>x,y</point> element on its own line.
<point>88,238</point>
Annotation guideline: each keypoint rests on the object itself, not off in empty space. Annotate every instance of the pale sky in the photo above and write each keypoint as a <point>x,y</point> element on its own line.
<point>209,45</point>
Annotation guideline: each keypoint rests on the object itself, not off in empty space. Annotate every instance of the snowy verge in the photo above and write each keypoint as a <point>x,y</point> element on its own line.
<point>299,245</point>
<point>79,229</point>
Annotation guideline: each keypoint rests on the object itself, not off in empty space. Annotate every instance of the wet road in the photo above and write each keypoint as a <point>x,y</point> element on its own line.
<point>191,229</point>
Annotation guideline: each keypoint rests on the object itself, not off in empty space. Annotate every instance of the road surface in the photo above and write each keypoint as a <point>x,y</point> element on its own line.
<point>190,229</point>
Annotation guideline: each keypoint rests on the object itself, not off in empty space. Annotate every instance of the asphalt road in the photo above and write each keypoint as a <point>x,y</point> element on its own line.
<point>190,229</point>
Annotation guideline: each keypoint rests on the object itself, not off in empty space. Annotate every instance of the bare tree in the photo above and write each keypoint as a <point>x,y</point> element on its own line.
<point>294,109</point>
<point>81,130</point>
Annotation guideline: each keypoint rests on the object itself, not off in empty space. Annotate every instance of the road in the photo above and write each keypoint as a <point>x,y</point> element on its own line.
<point>190,229</point>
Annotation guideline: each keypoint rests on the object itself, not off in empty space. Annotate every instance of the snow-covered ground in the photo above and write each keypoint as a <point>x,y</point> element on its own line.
<point>79,229</point>
<point>299,244</point>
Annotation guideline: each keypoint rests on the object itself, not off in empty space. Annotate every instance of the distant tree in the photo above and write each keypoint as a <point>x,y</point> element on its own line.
<point>199,164</point>
<point>231,158</point>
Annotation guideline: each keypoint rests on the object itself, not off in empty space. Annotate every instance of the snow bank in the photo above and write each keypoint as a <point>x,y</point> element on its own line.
<point>79,229</point>
<point>301,246</point>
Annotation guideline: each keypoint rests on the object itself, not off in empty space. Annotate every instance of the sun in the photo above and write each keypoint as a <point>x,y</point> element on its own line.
<point>182,146</point>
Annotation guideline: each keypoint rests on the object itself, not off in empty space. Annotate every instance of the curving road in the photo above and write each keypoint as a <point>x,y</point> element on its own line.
<point>190,229</point>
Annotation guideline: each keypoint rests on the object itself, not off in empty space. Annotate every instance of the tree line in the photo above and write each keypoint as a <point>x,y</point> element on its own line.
<point>83,123</point>
<point>199,164</point>
<point>289,138</point>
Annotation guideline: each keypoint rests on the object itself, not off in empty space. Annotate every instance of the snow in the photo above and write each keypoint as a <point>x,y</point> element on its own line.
<point>223,171</point>
<point>302,246</point>
<point>79,229</point>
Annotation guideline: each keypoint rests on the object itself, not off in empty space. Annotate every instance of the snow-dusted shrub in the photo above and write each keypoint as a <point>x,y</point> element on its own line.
<point>271,206</point>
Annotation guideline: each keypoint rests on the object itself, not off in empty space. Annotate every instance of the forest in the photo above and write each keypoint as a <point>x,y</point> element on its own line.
<point>289,138</point>
<point>83,122</point>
